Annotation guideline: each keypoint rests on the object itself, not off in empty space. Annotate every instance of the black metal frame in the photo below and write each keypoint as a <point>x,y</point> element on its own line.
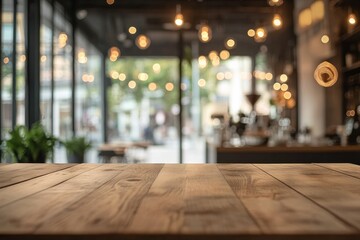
<point>14,64</point>
<point>32,86</point>
<point>181,57</point>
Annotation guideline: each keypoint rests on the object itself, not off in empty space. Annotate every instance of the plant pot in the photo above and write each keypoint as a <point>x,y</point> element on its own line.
<point>73,158</point>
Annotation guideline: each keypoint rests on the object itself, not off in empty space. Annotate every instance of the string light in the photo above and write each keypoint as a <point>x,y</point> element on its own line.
<point>352,18</point>
<point>275,2</point>
<point>169,86</point>
<point>202,82</point>
<point>230,43</point>
<point>213,55</point>
<point>284,87</point>
<point>260,34</point>
<point>268,76</point>
<point>277,21</point>
<point>251,32</point>
<point>283,78</point>
<point>110,2</point>
<point>224,54</point>
<point>132,84</point>
<point>82,56</point>
<point>122,76</point>
<point>143,42</point>
<point>156,68</point>
<point>132,30</point>
<point>287,95</point>
<point>179,18</point>
<point>205,33</point>
<point>62,40</point>
<point>325,39</point>
<point>114,54</point>
<point>220,76</point>
<point>152,86</point>
<point>202,61</point>
<point>6,60</point>
<point>276,86</point>
<point>143,76</point>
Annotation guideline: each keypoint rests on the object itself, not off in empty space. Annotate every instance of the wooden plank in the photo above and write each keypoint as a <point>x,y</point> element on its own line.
<point>191,199</point>
<point>30,213</point>
<point>15,192</point>
<point>334,191</point>
<point>109,208</point>
<point>277,208</point>
<point>346,168</point>
<point>19,172</point>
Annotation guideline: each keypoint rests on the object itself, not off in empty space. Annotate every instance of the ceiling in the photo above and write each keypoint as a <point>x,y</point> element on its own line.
<point>105,24</point>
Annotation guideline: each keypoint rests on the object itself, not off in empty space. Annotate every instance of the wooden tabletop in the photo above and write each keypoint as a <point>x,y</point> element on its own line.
<point>228,201</point>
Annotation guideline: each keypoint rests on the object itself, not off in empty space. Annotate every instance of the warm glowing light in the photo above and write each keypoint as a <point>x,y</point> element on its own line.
<point>22,58</point>
<point>260,35</point>
<point>352,19</point>
<point>284,87</point>
<point>202,61</point>
<point>205,33</point>
<point>275,2</point>
<point>43,58</point>
<point>62,40</point>
<point>143,76</point>
<point>213,55</point>
<point>114,75</point>
<point>87,78</point>
<point>143,42</point>
<point>277,21</point>
<point>156,68</point>
<point>179,20</point>
<point>276,86</point>
<point>110,2</point>
<point>132,84</point>
<point>287,95</point>
<point>224,54</point>
<point>114,53</point>
<point>268,76</point>
<point>82,56</point>
<point>283,78</point>
<point>122,76</point>
<point>325,39</point>
<point>216,61</point>
<point>228,75</point>
<point>220,76</point>
<point>251,32</point>
<point>6,60</point>
<point>326,74</point>
<point>230,43</point>
<point>169,86</point>
<point>202,82</point>
<point>132,30</point>
<point>152,86</point>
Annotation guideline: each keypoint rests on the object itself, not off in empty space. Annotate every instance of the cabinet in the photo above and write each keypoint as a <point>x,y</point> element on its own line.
<point>350,44</point>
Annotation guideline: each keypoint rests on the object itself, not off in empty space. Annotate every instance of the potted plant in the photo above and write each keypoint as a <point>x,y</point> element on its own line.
<point>76,148</point>
<point>32,145</point>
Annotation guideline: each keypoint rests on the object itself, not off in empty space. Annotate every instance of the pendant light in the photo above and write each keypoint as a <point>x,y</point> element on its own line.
<point>205,33</point>
<point>179,18</point>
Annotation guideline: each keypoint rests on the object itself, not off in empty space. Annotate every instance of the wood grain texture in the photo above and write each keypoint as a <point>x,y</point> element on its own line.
<point>191,199</point>
<point>192,202</point>
<point>28,214</point>
<point>276,207</point>
<point>334,191</point>
<point>345,168</point>
<point>110,207</point>
<point>17,191</point>
<point>18,172</point>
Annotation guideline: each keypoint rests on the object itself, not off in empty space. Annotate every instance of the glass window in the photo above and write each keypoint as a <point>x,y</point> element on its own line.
<point>6,62</point>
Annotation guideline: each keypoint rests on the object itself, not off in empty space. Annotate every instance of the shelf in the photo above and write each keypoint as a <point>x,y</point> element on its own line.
<point>355,67</point>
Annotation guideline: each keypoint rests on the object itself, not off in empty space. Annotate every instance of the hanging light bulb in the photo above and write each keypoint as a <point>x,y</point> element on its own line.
<point>114,54</point>
<point>260,35</point>
<point>275,2</point>
<point>351,18</point>
<point>277,21</point>
<point>205,33</point>
<point>142,42</point>
<point>179,18</point>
